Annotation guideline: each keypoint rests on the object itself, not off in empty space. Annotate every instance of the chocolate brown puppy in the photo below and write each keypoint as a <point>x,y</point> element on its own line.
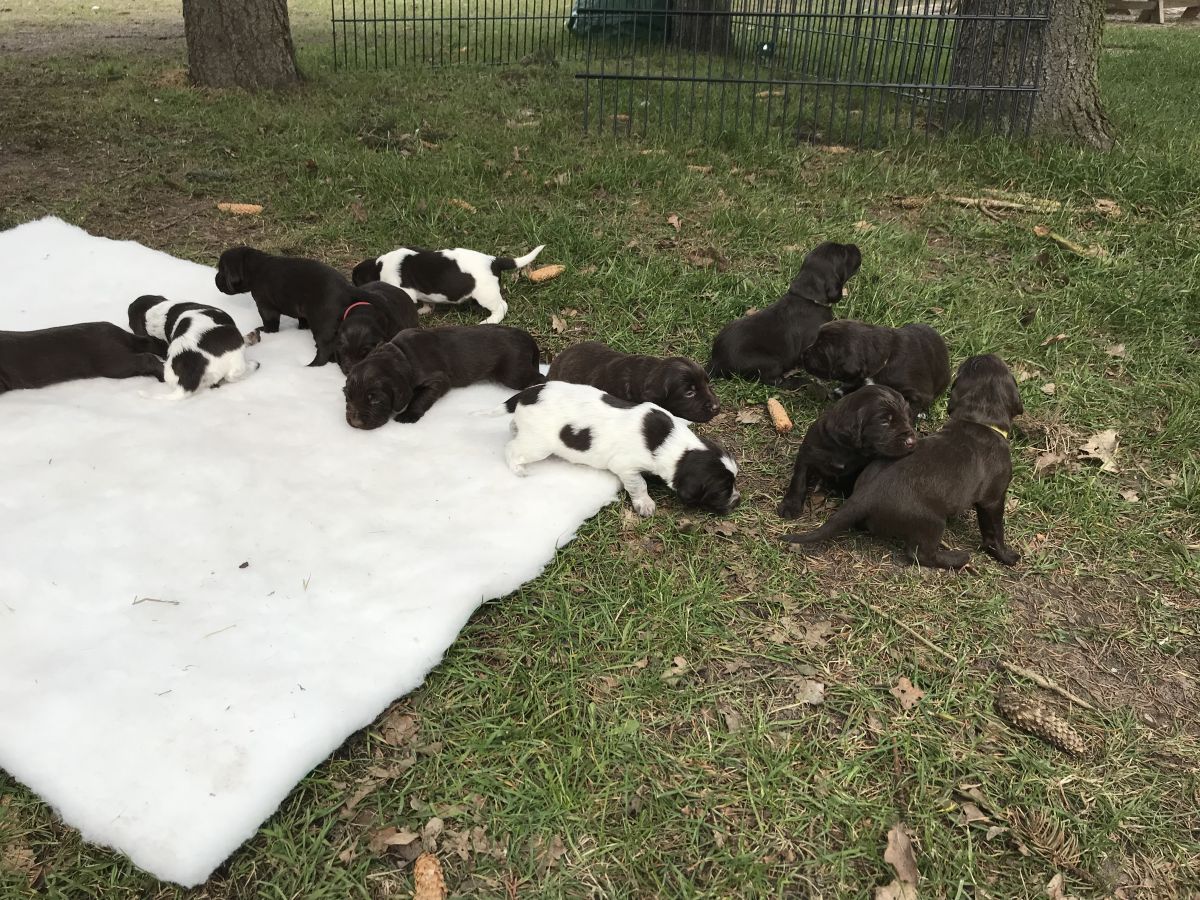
<point>769,343</point>
<point>377,312</point>
<point>405,376</point>
<point>913,359</point>
<point>871,423</point>
<point>313,293</point>
<point>677,384</point>
<point>967,463</point>
<point>36,359</point>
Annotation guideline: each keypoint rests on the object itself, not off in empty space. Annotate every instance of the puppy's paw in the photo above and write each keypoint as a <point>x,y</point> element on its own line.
<point>518,469</point>
<point>790,509</point>
<point>1006,556</point>
<point>643,506</point>
<point>407,417</point>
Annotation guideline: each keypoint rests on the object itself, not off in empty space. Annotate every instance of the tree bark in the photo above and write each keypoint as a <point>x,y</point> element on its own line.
<point>711,33</point>
<point>990,53</point>
<point>239,43</point>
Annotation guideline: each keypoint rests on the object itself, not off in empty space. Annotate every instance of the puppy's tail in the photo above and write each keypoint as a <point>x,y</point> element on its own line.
<point>504,263</point>
<point>846,517</point>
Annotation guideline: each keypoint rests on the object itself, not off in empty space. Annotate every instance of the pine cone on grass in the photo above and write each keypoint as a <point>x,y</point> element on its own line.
<point>1030,716</point>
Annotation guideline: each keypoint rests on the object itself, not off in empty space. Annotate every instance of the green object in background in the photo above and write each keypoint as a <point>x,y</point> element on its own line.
<point>619,18</point>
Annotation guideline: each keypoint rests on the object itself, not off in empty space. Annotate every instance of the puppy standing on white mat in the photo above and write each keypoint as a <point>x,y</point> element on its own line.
<point>584,425</point>
<point>446,276</point>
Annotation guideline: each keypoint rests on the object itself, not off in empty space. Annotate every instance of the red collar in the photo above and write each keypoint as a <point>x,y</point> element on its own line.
<point>352,305</point>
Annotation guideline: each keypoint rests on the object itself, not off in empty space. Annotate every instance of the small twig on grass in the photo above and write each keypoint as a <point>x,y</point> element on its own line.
<point>1044,682</point>
<point>924,640</point>
<point>1040,680</point>
<point>1031,204</point>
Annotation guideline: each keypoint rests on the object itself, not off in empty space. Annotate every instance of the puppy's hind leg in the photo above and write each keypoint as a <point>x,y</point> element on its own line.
<point>488,296</point>
<point>847,516</point>
<point>924,546</point>
<point>148,364</point>
<point>991,529</point>
<point>519,452</point>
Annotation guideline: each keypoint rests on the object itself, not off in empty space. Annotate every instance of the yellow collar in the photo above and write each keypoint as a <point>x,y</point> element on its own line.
<point>999,431</point>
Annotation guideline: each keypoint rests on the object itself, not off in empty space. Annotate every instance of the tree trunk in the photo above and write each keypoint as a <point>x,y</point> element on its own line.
<point>711,33</point>
<point>991,53</point>
<point>239,43</point>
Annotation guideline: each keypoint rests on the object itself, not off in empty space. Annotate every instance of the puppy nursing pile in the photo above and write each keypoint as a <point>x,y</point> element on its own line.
<point>630,415</point>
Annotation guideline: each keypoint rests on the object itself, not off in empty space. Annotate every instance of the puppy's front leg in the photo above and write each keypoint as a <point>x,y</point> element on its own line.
<point>639,496</point>
<point>325,336</point>
<point>991,529</point>
<point>423,398</point>
<point>270,318</point>
<point>489,298</point>
<point>797,492</point>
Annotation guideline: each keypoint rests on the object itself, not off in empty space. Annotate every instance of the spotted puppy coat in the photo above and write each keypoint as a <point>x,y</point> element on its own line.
<point>582,424</point>
<point>203,345</point>
<point>445,276</point>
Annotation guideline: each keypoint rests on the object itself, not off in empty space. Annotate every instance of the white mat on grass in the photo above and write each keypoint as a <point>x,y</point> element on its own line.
<point>171,730</point>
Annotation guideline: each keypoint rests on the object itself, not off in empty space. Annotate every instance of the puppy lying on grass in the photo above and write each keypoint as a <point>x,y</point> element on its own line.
<point>446,276</point>
<point>768,344</point>
<point>871,423</point>
<point>966,464</point>
<point>584,425</point>
<point>677,384</point>
<point>912,359</point>
<point>405,376</point>
<point>37,359</point>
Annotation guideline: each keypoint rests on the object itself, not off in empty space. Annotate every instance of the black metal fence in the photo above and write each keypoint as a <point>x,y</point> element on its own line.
<point>830,71</point>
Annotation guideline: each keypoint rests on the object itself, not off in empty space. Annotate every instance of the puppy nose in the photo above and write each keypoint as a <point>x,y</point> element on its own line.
<point>734,499</point>
<point>910,441</point>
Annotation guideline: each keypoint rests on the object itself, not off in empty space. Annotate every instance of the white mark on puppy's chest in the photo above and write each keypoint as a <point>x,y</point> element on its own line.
<point>868,381</point>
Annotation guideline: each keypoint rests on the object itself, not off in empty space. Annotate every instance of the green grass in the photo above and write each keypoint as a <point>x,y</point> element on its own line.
<point>549,716</point>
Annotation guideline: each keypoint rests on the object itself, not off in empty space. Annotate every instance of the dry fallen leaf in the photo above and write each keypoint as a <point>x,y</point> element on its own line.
<point>1117,350</point>
<point>900,856</point>
<point>357,212</point>
<point>1049,388</point>
<point>1055,889</point>
<point>730,716</point>
<point>674,220</point>
<point>428,881</point>
<point>640,663</point>
<point>1054,339</point>
<point>675,671</point>
<point>863,225</point>
<point>969,813</point>
<point>749,416</point>
<point>1130,496</point>
<point>462,204</point>
<point>1102,447</point>
<point>809,692</point>
<point>1109,208</point>
<point>817,634</point>
<point>557,325</point>
<point>1046,461</point>
<point>907,693</point>
<point>703,170</point>
<point>398,728</point>
<point>725,528</point>
<point>546,853</point>
<point>1022,374</point>
<point>391,837</point>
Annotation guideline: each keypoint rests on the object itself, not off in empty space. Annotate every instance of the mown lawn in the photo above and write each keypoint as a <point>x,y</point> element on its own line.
<point>562,746</point>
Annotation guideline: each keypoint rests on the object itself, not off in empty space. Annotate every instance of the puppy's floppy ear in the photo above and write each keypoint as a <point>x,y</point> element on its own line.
<point>1015,406</point>
<point>817,283</point>
<point>231,271</point>
<point>366,271</point>
<point>851,259</point>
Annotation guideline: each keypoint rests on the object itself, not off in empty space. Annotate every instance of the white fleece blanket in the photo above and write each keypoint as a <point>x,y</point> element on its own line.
<point>161,694</point>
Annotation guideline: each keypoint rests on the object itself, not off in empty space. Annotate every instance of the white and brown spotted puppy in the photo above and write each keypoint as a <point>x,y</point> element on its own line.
<point>584,425</point>
<point>203,346</point>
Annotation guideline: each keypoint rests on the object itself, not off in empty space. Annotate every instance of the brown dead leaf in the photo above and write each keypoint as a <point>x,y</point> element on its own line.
<point>20,858</point>
<point>862,225</point>
<point>640,663</point>
<point>1022,374</point>
<point>358,212</point>
<point>546,853</point>
<point>462,204</point>
<point>1116,350</point>
<point>703,170</point>
<point>725,528</point>
<point>557,325</point>
<point>1130,496</point>
<point>703,259</point>
<point>1056,890</point>
<point>817,634</point>
<point>969,813</point>
<point>675,671</point>
<point>1049,388</point>
<point>1109,208</point>
<point>1054,339</point>
<point>749,416</point>
<point>1047,461</point>
<point>809,692</point>
<point>674,221</point>
<point>896,890</point>
<point>730,716</point>
<point>384,838</point>
<point>1101,447</point>
<point>398,728</point>
<point>907,693</point>
<point>901,857</point>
